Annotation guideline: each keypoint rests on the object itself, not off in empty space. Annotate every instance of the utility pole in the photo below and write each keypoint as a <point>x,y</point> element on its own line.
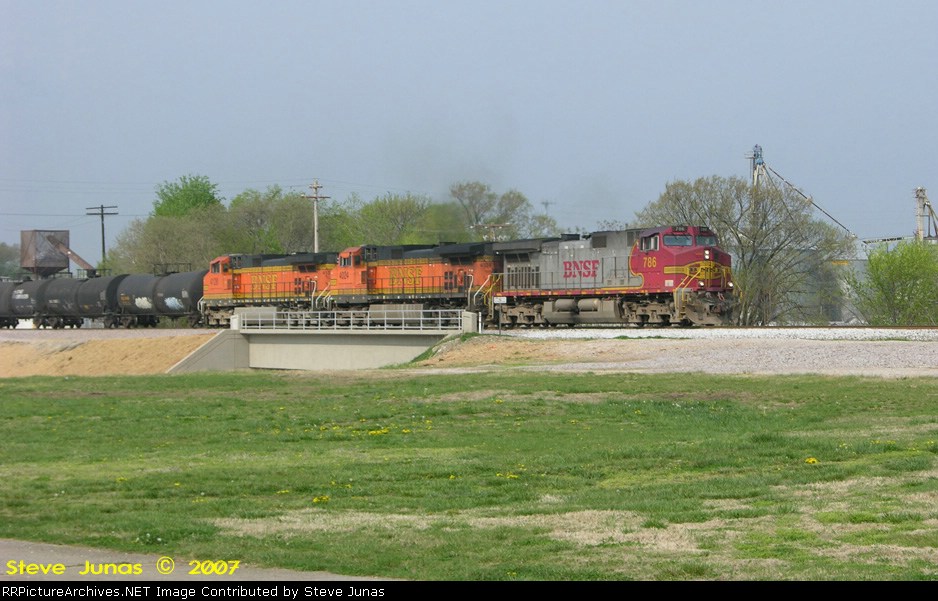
<point>101,211</point>
<point>315,197</point>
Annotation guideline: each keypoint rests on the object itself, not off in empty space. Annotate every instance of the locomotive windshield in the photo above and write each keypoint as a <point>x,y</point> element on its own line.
<point>678,240</point>
<point>706,240</point>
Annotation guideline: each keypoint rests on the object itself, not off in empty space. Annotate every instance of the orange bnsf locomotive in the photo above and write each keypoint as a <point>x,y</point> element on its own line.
<point>358,279</point>
<point>661,276</point>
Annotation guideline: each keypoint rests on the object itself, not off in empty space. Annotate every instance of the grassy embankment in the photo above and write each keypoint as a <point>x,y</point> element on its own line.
<point>484,477</point>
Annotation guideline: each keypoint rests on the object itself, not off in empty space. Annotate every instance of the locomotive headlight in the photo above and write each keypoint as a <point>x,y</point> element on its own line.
<point>707,253</point>
<point>700,283</point>
<point>730,284</point>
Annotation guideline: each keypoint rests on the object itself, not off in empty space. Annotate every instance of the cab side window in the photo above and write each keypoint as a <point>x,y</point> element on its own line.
<point>650,243</point>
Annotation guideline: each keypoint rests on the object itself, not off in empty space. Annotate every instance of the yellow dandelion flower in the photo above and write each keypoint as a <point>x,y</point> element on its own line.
<point>811,460</point>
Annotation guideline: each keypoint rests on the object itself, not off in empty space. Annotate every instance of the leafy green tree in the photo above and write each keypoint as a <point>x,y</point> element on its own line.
<point>191,240</point>
<point>541,226</point>
<point>9,260</point>
<point>339,226</point>
<point>900,287</point>
<point>782,256</point>
<point>268,222</point>
<point>441,222</point>
<point>397,219</point>
<point>389,219</point>
<point>177,199</point>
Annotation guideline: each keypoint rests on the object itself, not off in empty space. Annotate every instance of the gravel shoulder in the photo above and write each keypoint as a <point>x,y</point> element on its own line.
<point>836,358</point>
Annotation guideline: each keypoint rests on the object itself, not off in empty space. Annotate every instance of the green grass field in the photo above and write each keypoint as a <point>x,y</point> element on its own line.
<point>499,476</point>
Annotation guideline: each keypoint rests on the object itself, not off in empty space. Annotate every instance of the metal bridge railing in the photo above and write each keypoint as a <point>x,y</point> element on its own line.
<point>343,321</point>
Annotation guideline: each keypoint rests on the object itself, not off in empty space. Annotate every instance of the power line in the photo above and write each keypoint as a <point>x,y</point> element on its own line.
<point>811,201</point>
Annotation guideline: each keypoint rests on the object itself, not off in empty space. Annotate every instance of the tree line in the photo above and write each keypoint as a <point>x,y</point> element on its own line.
<point>191,223</point>
<point>788,266</point>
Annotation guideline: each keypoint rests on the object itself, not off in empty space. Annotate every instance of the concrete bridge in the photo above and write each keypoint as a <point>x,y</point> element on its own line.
<point>325,340</point>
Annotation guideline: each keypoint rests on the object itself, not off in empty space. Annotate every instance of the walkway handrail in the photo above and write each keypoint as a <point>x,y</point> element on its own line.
<point>343,321</point>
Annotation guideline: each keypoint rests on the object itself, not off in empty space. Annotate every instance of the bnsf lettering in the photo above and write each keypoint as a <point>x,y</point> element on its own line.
<point>264,282</point>
<point>580,269</point>
<point>405,276</point>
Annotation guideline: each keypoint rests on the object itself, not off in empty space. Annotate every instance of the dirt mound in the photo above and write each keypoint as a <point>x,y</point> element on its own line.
<point>505,351</point>
<point>96,357</point>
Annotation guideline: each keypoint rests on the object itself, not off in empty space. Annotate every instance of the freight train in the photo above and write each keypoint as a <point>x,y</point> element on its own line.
<point>661,276</point>
<point>138,300</point>
<point>675,275</point>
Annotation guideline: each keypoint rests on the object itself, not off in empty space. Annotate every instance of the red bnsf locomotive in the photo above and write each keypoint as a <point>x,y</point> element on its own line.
<point>660,276</point>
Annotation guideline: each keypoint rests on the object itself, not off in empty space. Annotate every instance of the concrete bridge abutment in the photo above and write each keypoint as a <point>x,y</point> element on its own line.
<point>315,349</point>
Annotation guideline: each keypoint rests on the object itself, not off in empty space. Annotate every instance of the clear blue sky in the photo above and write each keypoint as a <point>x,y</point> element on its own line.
<point>591,106</point>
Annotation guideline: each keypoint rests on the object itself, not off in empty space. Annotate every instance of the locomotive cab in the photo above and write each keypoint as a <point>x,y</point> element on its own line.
<point>218,280</point>
<point>350,277</point>
<point>682,257</point>
<point>685,262</point>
